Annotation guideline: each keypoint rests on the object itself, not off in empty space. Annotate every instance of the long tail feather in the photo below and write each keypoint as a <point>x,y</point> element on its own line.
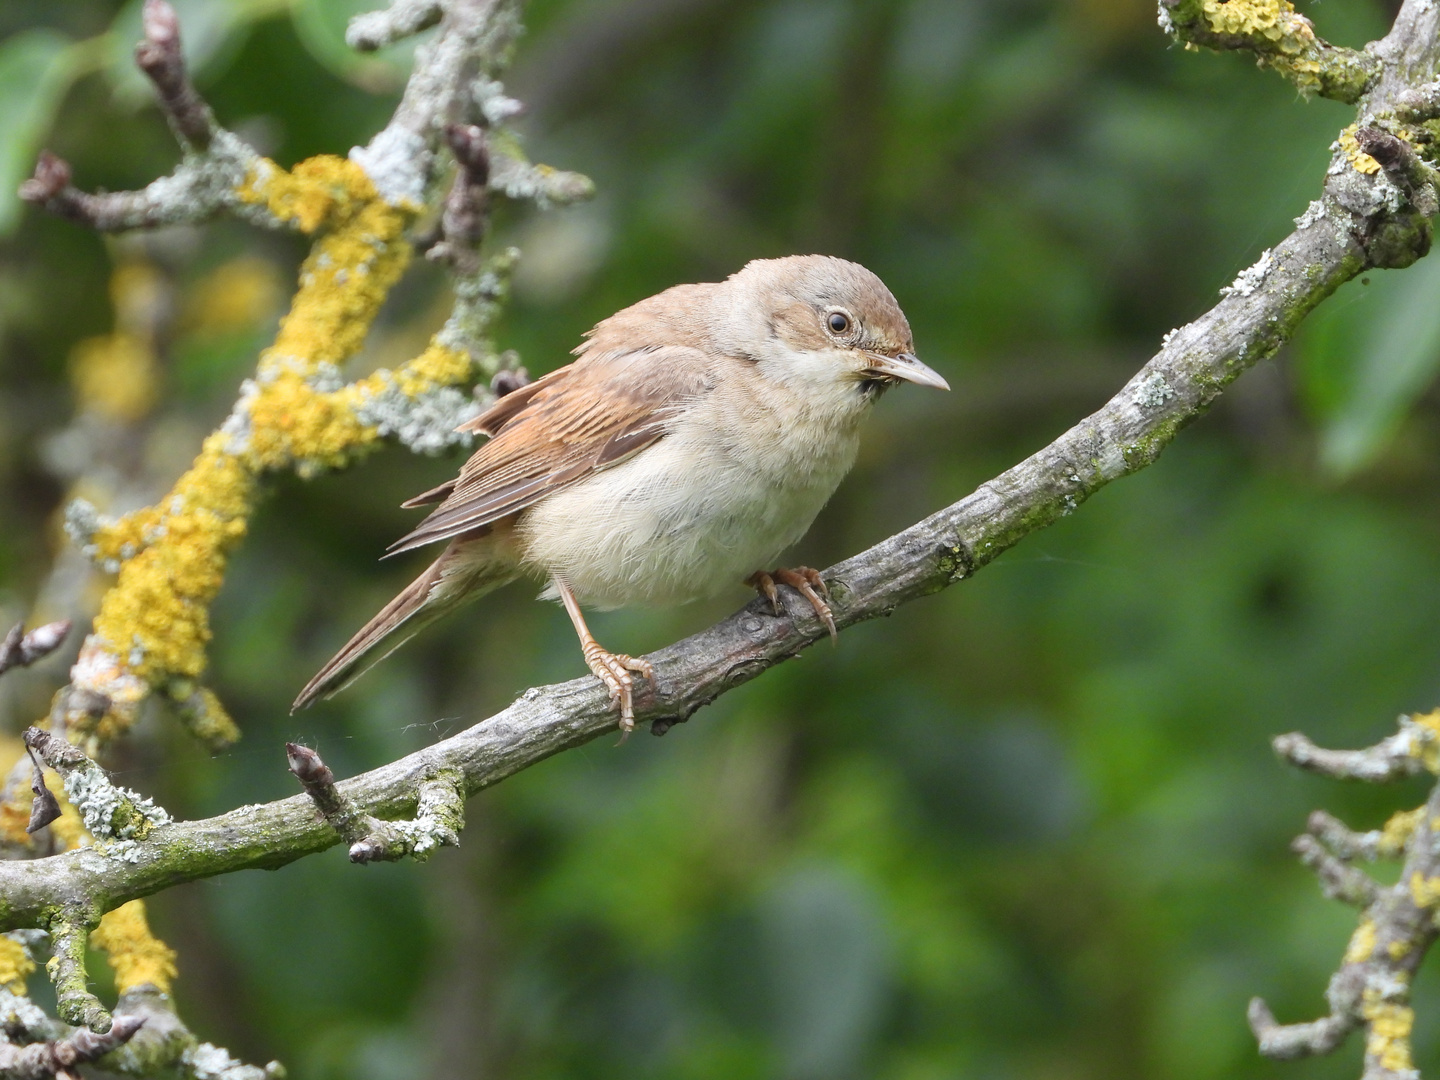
<point>461,574</point>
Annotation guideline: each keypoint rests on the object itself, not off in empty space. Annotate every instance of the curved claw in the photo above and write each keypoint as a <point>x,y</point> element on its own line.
<point>804,580</point>
<point>613,669</point>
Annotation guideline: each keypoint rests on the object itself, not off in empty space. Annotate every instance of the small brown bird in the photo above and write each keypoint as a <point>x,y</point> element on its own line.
<point>693,440</point>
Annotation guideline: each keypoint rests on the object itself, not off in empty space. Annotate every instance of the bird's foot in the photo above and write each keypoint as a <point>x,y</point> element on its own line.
<point>613,669</point>
<point>807,582</point>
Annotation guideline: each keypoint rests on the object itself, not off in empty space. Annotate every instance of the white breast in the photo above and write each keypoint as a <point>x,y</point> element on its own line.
<point>736,481</point>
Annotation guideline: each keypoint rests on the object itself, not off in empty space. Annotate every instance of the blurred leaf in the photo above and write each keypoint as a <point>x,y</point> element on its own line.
<point>321,25</point>
<point>35,70</point>
<point>1398,357</point>
<point>212,32</point>
<point>828,969</point>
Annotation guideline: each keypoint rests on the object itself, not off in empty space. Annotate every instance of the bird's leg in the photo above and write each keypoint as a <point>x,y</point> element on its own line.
<point>807,582</point>
<point>612,669</point>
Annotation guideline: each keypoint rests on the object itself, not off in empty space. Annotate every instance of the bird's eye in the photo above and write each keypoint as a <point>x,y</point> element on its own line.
<point>838,322</point>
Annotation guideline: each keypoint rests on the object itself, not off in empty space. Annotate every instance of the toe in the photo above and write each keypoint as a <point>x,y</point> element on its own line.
<point>639,665</point>
<point>764,584</point>
<point>803,580</point>
<point>816,581</point>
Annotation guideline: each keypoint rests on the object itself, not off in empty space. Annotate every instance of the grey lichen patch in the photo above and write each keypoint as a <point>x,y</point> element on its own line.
<point>397,161</point>
<point>82,522</point>
<point>206,1061</point>
<point>19,1015</point>
<point>439,817</point>
<point>1154,391</point>
<point>375,29</point>
<point>126,851</point>
<point>1252,277</point>
<point>518,178</point>
<point>490,98</point>
<point>1313,213</point>
<point>478,301</point>
<point>108,811</point>
<point>425,423</point>
<point>237,426</point>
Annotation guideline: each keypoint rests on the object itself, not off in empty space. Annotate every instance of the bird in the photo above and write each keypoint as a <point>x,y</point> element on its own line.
<point>693,439</point>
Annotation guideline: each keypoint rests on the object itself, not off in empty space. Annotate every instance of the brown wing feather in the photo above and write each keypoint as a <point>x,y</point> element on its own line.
<point>436,494</point>
<point>589,415</point>
<point>504,410</point>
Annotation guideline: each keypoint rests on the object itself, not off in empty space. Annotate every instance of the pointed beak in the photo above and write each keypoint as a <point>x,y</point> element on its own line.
<point>905,367</point>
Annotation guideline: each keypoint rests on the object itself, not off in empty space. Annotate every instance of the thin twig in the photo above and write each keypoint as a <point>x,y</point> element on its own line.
<point>19,649</point>
<point>57,1058</point>
<point>439,813</point>
<point>159,56</point>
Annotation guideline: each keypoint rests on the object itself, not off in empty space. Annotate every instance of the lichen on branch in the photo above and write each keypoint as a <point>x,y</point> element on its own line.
<point>1371,989</point>
<point>1279,37</point>
<point>298,412</point>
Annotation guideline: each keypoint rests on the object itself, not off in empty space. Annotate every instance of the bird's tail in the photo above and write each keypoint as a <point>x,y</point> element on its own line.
<point>468,569</point>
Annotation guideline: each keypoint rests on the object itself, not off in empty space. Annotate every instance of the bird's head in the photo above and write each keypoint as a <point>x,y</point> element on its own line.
<point>825,324</point>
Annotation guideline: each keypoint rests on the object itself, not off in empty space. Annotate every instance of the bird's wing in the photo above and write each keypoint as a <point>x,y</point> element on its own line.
<point>586,416</point>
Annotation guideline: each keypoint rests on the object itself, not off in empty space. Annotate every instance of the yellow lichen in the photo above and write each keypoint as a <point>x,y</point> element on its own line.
<point>1398,948</point>
<point>312,194</point>
<point>1397,831</point>
<point>136,955</point>
<point>15,965</point>
<point>1388,1041</point>
<point>1283,38</point>
<point>14,816</point>
<point>153,624</point>
<point>342,285</point>
<point>156,616</point>
<point>1425,891</point>
<point>1272,20</point>
<point>1359,160</point>
<point>1425,742</point>
<point>437,366</point>
<point>1362,943</point>
<point>116,374</point>
<point>205,716</point>
<point>292,421</point>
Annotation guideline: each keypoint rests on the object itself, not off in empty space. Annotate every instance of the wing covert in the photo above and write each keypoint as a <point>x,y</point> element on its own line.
<point>587,416</point>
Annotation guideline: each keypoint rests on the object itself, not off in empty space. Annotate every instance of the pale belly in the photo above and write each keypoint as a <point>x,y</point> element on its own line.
<point>684,518</point>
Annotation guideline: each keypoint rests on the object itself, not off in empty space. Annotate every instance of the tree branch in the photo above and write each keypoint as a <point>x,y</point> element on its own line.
<point>1371,988</point>
<point>58,1057</point>
<point>159,57</point>
<point>1279,37</point>
<point>1349,228</point>
<point>1368,215</point>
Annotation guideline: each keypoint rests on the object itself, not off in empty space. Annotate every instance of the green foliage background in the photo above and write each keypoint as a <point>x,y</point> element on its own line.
<point>1028,828</point>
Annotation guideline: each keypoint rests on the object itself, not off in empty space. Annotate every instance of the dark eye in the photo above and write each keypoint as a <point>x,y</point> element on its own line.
<point>838,322</point>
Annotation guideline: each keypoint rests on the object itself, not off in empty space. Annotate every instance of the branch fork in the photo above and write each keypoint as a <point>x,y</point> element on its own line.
<point>1371,988</point>
<point>439,813</point>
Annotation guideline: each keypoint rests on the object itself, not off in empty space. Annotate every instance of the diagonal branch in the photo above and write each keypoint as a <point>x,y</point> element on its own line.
<point>1347,230</point>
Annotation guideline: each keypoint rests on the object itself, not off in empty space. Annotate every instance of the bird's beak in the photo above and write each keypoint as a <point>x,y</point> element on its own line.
<point>904,367</point>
